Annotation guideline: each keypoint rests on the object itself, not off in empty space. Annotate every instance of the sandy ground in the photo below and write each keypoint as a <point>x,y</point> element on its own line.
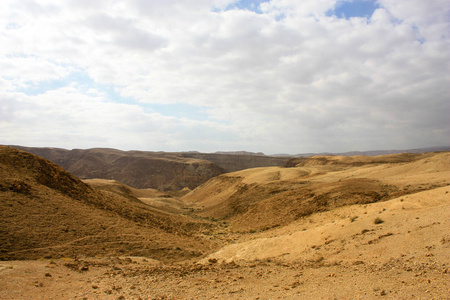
<point>396,279</point>
<point>325,256</point>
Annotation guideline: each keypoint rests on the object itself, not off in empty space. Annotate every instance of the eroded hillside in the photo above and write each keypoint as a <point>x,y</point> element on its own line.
<point>47,212</point>
<point>138,169</point>
<point>327,227</point>
<point>263,198</point>
<point>145,169</point>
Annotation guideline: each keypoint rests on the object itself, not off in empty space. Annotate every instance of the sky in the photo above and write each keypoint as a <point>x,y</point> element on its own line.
<point>278,76</point>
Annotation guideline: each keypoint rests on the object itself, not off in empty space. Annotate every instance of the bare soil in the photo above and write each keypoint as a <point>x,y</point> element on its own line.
<point>327,228</point>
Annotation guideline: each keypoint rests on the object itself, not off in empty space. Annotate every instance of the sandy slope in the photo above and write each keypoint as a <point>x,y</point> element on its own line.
<point>46,212</point>
<point>262,198</point>
<point>329,255</point>
<point>330,228</point>
<point>349,233</point>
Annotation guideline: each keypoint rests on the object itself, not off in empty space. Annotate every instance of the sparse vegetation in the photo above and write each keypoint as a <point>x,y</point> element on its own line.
<point>378,221</point>
<point>222,238</point>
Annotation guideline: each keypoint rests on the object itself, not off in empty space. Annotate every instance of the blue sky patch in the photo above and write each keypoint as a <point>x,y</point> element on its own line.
<point>83,83</point>
<point>251,5</point>
<point>82,80</point>
<point>356,8</point>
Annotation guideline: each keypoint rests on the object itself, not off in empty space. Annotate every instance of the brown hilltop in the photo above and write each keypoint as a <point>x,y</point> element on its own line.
<point>47,212</point>
<point>241,160</point>
<point>138,169</point>
<point>262,198</point>
<point>357,160</point>
<point>145,169</point>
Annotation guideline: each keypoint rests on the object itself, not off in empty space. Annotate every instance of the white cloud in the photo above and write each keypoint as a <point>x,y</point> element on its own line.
<point>86,120</point>
<point>288,80</point>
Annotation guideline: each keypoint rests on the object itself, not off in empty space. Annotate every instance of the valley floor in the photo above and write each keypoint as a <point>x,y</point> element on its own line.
<point>405,257</point>
<point>134,278</point>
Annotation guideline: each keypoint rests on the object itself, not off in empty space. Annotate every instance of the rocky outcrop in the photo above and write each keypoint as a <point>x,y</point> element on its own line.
<point>145,169</point>
<point>138,169</point>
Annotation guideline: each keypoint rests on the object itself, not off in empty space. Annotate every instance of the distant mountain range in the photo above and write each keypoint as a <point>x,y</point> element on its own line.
<point>349,153</point>
<point>370,152</point>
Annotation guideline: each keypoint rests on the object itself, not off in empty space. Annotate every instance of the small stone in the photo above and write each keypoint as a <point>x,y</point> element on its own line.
<point>212,260</point>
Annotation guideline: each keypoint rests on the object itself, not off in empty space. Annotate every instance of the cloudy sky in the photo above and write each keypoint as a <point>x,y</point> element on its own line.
<point>278,76</point>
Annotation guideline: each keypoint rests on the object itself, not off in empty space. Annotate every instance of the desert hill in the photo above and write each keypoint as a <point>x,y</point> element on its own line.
<point>162,201</point>
<point>145,169</point>
<point>47,212</point>
<point>172,171</point>
<point>326,227</point>
<point>236,161</point>
<point>371,152</point>
<point>262,198</point>
<point>137,169</point>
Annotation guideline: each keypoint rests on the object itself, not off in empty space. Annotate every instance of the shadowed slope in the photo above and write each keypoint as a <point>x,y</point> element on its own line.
<point>45,211</point>
<point>138,169</point>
